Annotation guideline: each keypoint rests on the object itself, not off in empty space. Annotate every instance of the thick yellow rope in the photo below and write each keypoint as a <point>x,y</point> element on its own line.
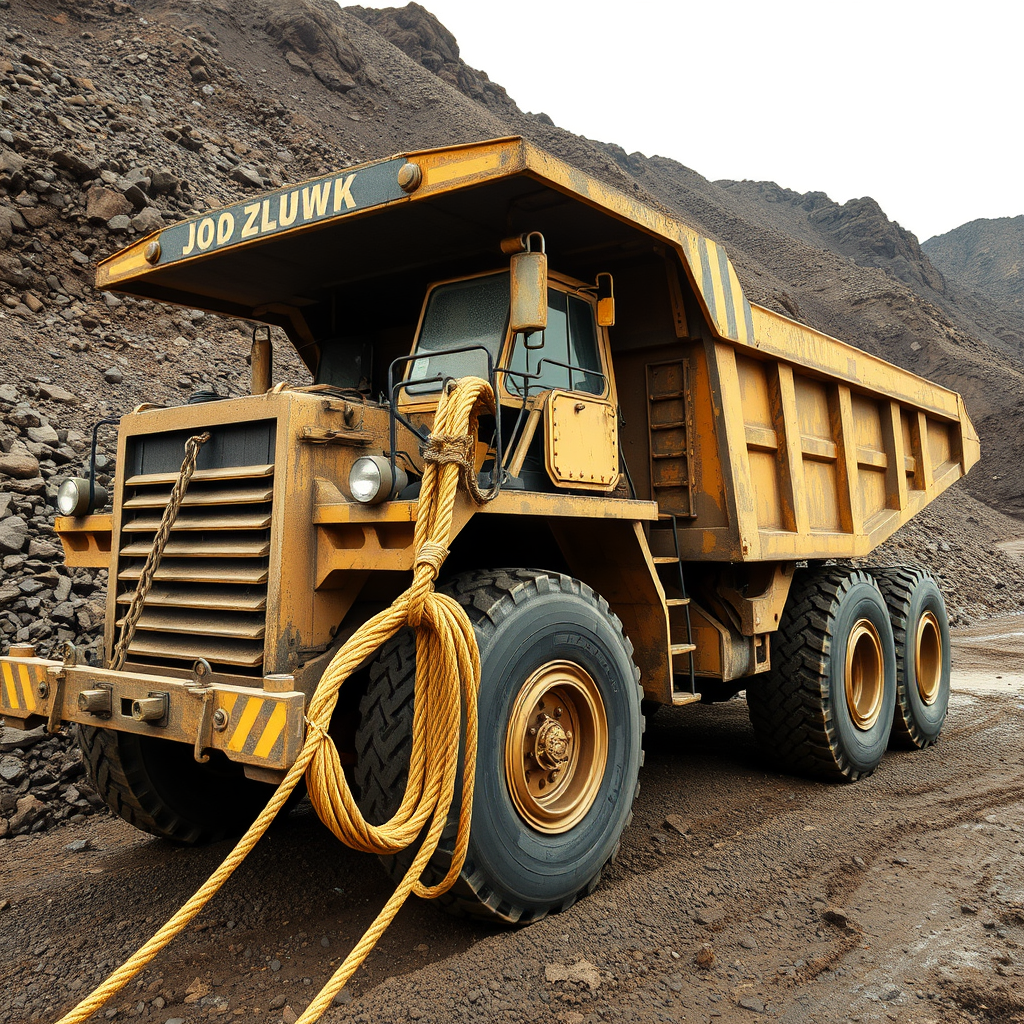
<point>447,679</point>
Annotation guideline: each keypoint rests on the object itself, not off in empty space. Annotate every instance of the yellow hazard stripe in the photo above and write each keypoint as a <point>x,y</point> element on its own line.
<point>272,731</point>
<point>26,687</point>
<point>716,280</point>
<point>12,693</point>
<point>249,714</point>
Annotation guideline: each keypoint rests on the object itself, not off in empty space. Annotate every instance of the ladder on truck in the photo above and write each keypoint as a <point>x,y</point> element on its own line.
<point>670,572</point>
<point>670,426</point>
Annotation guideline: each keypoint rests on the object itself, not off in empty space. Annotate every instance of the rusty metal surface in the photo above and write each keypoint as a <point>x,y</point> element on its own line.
<point>251,725</point>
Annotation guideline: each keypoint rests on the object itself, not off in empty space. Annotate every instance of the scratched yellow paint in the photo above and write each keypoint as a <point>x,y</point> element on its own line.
<point>272,731</point>
<point>462,169</point>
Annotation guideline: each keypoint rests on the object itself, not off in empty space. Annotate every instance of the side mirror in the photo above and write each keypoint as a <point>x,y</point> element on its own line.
<point>605,301</point>
<point>529,288</point>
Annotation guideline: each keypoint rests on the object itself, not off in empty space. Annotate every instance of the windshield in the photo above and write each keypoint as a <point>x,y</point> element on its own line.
<point>473,312</point>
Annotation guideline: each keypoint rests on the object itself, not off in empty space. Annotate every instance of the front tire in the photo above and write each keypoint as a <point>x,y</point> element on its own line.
<point>158,786</point>
<point>826,707</point>
<point>920,628</point>
<point>559,744</point>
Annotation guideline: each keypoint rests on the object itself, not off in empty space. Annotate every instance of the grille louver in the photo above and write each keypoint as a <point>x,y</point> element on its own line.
<point>209,596</point>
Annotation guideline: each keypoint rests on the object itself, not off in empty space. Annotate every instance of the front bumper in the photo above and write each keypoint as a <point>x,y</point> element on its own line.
<point>262,727</point>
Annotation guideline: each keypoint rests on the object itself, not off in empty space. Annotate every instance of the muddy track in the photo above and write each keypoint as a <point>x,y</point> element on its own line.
<point>895,898</point>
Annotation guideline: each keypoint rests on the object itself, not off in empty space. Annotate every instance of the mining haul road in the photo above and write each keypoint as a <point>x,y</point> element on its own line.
<point>740,894</point>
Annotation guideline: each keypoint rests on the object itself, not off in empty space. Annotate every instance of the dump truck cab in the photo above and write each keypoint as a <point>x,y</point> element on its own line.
<point>662,455</point>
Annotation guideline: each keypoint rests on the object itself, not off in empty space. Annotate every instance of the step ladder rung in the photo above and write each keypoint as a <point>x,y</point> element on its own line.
<point>673,425</point>
<point>665,395</point>
<point>677,602</point>
<point>666,560</point>
<point>685,697</point>
<point>675,649</point>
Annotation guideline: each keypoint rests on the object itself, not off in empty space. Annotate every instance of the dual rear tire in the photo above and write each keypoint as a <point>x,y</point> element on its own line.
<point>860,659</point>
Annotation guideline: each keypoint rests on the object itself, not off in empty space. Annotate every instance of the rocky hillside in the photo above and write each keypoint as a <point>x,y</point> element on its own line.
<point>984,256</point>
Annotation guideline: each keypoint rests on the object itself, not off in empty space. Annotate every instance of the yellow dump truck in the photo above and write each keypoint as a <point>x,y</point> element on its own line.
<point>664,498</point>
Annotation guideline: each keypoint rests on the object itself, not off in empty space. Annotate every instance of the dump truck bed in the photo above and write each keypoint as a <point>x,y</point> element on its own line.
<point>766,439</point>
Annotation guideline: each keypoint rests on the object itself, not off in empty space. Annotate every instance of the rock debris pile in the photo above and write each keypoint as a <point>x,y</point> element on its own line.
<point>42,782</point>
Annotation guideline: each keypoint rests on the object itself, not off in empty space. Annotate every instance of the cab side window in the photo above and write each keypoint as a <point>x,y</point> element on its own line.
<point>563,356</point>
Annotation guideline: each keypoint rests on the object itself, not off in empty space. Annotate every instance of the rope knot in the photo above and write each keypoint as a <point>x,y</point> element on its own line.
<point>445,448</point>
<point>432,556</point>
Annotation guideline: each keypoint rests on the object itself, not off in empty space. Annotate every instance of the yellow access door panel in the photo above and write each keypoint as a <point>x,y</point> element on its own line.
<point>581,441</point>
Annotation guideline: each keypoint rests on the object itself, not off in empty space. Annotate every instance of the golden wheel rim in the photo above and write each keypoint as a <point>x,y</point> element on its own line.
<point>865,674</point>
<point>928,658</point>
<point>556,747</point>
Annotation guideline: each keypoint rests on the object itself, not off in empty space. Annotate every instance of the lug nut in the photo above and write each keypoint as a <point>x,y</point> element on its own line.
<point>149,709</point>
<point>94,702</point>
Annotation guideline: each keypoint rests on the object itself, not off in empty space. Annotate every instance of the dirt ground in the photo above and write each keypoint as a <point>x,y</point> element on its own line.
<point>740,893</point>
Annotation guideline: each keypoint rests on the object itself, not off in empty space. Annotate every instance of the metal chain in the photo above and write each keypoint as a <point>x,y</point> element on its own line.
<point>156,552</point>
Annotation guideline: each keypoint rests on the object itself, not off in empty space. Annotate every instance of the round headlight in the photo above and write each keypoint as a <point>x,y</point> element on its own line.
<point>365,479</point>
<point>370,480</point>
<point>73,497</point>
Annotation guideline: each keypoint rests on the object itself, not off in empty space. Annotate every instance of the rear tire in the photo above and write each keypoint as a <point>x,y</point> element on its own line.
<point>158,786</point>
<point>554,659</point>
<point>920,628</point>
<point>826,707</point>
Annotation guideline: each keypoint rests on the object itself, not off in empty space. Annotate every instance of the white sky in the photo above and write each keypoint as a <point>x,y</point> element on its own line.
<point>917,104</point>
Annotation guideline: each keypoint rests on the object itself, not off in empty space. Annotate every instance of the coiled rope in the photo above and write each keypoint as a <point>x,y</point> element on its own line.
<point>447,680</point>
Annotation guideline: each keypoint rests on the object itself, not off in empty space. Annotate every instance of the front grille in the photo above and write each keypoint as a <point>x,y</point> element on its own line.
<point>209,595</point>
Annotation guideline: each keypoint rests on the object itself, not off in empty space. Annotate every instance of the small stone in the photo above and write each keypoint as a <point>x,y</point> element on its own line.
<point>676,823</point>
<point>112,375</point>
<point>275,965</point>
<point>289,1016</point>
<point>19,467</point>
<point>120,224</point>
<point>103,203</point>
<point>277,1002</point>
<point>750,1003</point>
<point>748,942</point>
<point>162,180</point>
<point>57,394</point>
<point>705,956</point>
<point>33,302</point>
<point>30,810</point>
<point>246,175</point>
<point>43,434</point>
<point>148,220</point>
<point>13,534</point>
<point>967,908</point>
<point>78,846</point>
<point>343,997</point>
<point>12,769</point>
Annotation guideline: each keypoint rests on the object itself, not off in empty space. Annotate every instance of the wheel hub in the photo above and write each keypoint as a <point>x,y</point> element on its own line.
<point>864,675</point>
<point>928,658</point>
<point>556,747</point>
<point>554,744</point>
